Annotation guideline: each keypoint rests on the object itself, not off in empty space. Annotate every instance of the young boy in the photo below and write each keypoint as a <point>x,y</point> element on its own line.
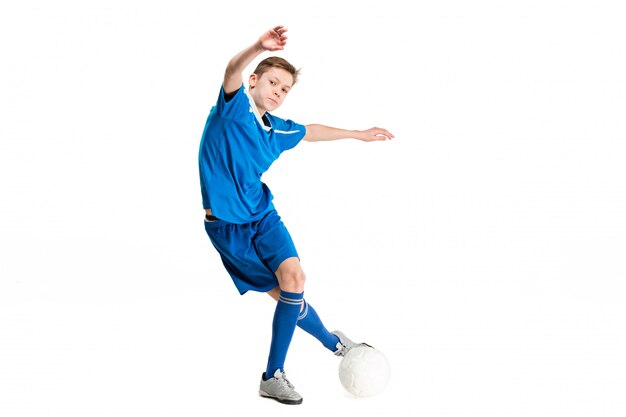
<point>241,139</point>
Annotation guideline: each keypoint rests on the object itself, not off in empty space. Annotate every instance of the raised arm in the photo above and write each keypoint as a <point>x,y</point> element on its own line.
<point>317,133</point>
<point>272,40</point>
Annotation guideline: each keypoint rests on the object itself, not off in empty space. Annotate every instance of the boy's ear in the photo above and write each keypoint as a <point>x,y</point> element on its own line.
<point>253,79</point>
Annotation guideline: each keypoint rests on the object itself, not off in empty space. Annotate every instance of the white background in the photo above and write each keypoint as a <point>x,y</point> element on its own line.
<point>482,250</point>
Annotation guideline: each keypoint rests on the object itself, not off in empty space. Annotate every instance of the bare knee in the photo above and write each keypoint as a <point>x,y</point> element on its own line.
<point>290,276</point>
<point>292,281</point>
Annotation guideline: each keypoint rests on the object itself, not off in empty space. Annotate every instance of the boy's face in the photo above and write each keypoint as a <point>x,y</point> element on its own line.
<point>270,89</point>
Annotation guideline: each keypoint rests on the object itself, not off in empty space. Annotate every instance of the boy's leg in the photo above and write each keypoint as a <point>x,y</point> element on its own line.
<point>291,291</point>
<point>309,321</point>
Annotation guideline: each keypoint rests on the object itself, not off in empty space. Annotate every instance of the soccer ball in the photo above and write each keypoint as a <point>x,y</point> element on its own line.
<point>364,371</point>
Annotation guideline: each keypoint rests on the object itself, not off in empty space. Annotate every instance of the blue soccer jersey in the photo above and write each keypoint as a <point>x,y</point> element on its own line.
<point>236,149</point>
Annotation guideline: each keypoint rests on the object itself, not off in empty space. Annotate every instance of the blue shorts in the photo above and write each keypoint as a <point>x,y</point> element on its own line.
<point>252,252</point>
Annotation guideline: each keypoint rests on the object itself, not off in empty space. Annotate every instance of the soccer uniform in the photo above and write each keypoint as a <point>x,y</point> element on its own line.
<point>238,146</point>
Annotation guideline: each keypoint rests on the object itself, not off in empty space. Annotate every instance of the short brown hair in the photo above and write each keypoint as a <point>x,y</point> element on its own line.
<point>277,62</point>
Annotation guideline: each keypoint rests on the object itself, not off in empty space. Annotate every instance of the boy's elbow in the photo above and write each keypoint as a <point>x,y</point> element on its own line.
<point>232,80</point>
<point>309,136</point>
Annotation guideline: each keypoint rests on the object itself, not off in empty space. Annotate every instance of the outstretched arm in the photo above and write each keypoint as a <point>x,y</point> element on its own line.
<point>272,40</point>
<point>317,133</point>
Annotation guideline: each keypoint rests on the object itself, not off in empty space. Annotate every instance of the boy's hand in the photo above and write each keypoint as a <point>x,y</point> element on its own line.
<point>274,39</point>
<point>373,134</point>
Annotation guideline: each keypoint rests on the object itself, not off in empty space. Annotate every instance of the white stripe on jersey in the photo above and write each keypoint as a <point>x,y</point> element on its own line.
<point>254,110</point>
<point>286,132</point>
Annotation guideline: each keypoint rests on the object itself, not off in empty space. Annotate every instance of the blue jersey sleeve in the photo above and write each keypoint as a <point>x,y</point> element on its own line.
<point>290,133</point>
<point>237,106</point>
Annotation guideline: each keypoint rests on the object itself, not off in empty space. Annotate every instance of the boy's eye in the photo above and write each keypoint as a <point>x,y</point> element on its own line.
<point>272,82</point>
<point>285,91</point>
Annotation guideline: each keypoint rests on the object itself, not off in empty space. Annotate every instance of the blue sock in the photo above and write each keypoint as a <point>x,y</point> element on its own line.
<point>283,326</point>
<point>309,321</point>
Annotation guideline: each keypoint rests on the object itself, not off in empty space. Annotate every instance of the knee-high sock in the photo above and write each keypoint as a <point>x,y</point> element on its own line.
<point>283,326</point>
<point>310,322</point>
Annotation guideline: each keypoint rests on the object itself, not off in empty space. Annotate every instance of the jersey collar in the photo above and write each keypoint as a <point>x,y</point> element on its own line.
<point>254,110</point>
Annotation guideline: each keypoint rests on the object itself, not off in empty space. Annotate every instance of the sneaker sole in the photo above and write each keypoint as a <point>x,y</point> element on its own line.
<point>280,400</point>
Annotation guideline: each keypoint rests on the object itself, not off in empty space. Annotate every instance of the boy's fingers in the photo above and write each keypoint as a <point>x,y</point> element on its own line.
<point>382,134</point>
<point>385,132</point>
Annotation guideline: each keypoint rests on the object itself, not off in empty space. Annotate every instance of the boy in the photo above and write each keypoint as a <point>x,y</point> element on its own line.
<point>241,139</point>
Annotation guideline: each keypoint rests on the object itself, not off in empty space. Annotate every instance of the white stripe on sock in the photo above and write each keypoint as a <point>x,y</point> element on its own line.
<point>289,301</point>
<point>305,312</point>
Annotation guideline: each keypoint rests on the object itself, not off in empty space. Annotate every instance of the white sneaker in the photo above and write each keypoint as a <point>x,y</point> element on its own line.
<point>344,344</point>
<point>280,389</point>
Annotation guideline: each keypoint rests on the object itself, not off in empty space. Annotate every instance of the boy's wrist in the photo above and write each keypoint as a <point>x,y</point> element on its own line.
<point>258,46</point>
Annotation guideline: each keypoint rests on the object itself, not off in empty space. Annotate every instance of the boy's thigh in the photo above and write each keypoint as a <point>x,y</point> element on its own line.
<point>235,244</point>
<point>273,242</point>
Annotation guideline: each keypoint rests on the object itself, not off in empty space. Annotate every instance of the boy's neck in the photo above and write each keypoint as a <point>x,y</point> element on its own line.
<point>266,120</point>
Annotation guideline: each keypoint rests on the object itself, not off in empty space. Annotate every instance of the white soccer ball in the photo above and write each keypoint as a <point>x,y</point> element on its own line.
<point>364,371</point>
